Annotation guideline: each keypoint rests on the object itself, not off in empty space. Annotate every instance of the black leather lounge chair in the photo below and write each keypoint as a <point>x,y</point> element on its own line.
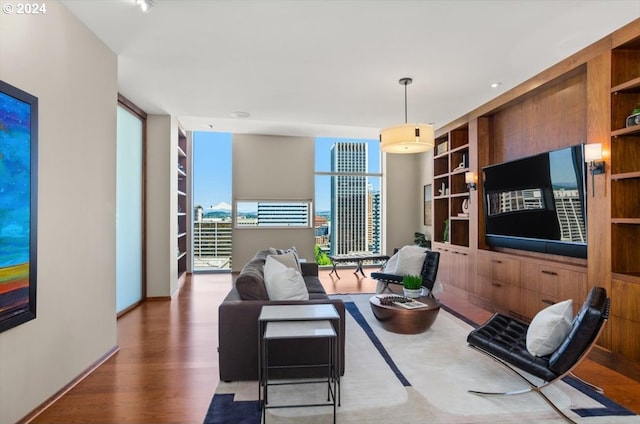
<point>504,339</point>
<point>428,273</point>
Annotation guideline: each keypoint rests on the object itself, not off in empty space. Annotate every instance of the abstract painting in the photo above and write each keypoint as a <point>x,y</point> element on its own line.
<point>18,205</point>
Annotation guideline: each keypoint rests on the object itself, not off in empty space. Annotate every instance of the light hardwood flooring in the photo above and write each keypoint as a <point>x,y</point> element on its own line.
<point>167,368</point>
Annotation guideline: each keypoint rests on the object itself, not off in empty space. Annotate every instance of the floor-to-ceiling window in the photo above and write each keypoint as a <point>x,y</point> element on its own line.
<point>348,200</point>
<point>212,219</point>
<point>129,206</point>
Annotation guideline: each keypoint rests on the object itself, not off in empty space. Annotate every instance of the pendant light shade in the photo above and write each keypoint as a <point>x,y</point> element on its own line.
<point>407,138</point>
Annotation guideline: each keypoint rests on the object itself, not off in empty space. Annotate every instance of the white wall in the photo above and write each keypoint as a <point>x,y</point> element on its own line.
<point>426,177</point>
<point>55,58</point>
<point>162,205</point>
<point>272,167</point>
<point>402,212</point>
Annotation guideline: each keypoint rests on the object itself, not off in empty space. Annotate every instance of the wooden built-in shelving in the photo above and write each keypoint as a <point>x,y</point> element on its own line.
<point>584,99</point>
<point>625,159</point>
<point>451,161</point>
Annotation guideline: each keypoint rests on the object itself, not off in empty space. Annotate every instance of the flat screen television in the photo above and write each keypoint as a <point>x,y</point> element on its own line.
<point>538,203</point>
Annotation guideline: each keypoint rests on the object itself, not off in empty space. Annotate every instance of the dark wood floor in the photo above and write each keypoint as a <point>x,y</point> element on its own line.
<point>167,368</point>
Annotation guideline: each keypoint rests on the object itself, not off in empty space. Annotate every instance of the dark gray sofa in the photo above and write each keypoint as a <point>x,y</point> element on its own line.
<point>238,327</point>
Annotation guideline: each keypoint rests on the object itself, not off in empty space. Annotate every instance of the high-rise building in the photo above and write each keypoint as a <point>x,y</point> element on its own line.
<point>273,214</point>
<point>373,219</point>
<point>348,198</point>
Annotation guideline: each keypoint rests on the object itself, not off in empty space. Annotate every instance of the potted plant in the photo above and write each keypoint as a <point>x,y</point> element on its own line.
<point>445,233</point>
<point>412,286</point>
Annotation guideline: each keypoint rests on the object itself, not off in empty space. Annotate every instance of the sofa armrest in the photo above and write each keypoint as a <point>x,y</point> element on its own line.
<point>309,269</point>
<point>238,336</point>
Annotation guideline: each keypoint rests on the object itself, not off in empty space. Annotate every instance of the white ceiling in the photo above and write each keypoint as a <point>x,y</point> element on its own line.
<point>331,67</point>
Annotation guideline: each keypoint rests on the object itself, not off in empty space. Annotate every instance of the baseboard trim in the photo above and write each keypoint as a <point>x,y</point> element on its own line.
<point>51,400</point>
<point>615,362</point>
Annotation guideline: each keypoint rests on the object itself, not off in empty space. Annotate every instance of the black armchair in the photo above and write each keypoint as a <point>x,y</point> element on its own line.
<point>504,339</point>
<point>428,273</point>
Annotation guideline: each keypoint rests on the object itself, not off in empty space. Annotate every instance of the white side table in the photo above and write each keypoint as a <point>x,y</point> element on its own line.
<point>294,313</point>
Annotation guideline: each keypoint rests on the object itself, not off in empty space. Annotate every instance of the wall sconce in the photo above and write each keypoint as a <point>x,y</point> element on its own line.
<point>470,179</point>
<point>593,155</point>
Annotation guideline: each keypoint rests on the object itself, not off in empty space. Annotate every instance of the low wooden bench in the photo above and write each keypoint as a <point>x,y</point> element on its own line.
<point>357,258</point>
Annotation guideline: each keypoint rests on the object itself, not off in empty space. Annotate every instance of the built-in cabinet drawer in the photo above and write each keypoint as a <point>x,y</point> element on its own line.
<point>502,297</point>
<point>500,268</point>
<point>454,267</point>
<point>624,322</point>
<point>544,285</point>
<point>498,282</point>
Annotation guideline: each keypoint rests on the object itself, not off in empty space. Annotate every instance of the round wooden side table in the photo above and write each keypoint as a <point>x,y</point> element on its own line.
<point>398,319</point>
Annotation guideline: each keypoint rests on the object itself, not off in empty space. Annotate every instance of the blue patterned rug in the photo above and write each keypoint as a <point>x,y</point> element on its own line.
<point>433,390</point>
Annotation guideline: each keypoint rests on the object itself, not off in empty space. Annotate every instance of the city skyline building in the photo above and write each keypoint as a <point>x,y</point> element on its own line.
<point>211,242</point>
<point>348,198</point>
<point>373,219</point>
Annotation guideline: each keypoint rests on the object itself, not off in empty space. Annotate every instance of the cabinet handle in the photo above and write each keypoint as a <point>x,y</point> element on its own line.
<point>496,261</point>
<point>548,302</point>
<point>496,284</point>
<point>549,272</point>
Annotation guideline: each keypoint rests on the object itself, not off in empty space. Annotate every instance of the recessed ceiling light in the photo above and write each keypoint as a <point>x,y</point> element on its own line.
<point>495,84</point>
<point>240,114</point>
<point>145,5</point>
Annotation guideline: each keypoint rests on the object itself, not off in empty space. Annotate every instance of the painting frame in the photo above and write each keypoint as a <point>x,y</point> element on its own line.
<point>18,206</point>
<point>427,205</point>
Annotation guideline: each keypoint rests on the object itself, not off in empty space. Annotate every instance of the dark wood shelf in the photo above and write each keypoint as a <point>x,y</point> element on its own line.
<point>459,171</point>
<point>632,221</point>
<point>632,277</point>
<point>459,218</point>
<point>626,131</point>
<point>628,86</point>
<point>625,176</point>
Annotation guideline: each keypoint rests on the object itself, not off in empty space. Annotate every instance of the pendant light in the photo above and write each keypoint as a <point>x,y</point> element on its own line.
<point>407,138</point>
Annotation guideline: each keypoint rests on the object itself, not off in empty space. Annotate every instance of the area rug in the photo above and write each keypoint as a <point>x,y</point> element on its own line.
<point>422,378</point>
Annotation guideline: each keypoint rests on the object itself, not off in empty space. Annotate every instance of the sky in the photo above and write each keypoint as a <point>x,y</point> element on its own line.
<point>212,168</point>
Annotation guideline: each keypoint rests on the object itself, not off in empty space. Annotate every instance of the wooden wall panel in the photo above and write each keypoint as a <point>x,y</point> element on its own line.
<point>554,117</point>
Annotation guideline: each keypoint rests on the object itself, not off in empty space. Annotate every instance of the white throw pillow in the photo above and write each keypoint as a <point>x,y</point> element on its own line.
<point>408,252</point>
<point>289,259</point>
<point>392,264</point>
<point>410,260</point>
<point>282,282</point>
<point>549,328</point>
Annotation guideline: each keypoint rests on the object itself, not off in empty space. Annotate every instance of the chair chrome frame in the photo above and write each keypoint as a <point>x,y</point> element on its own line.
<point>560,364</point>
<point>538,388</point>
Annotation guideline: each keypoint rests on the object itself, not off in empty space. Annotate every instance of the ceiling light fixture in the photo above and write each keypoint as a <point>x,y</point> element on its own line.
<point>145,5</point>
<point>406,138</point>
<point>496,84</point>
<point>240,115</point>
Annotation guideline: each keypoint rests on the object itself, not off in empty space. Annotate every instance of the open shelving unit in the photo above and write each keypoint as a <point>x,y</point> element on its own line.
<point>625,161</point>
<point>451,161</point>
<point>182,203</point>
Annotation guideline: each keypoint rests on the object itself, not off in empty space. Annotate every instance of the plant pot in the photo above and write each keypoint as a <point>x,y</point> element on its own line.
<point>412,293</point>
